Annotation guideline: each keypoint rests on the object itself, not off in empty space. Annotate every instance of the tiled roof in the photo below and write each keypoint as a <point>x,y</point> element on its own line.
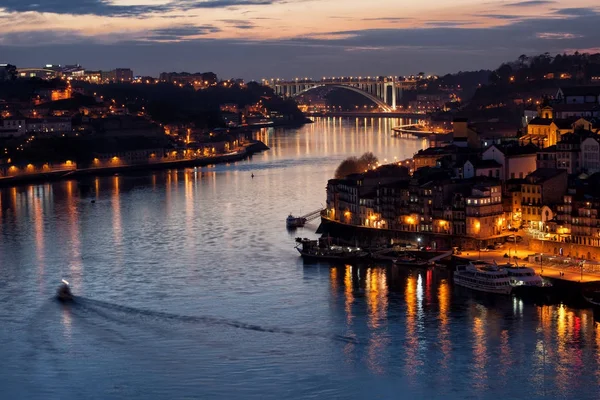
<point>541,175</point>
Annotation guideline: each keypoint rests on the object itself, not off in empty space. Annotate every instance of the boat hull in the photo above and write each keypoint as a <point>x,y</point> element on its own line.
<point>533,292</point>
<point>332,258</point>
<point>480,287</point>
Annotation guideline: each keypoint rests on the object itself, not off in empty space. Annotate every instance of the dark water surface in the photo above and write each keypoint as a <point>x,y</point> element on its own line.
<point>189,286</point>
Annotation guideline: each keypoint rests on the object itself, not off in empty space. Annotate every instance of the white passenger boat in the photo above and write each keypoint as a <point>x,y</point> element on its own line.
<point>483,277</point>
<point>522,276</point>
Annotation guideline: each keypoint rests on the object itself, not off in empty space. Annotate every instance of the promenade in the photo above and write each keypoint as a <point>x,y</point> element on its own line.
<point>563,269</point>
<point>240,154</point>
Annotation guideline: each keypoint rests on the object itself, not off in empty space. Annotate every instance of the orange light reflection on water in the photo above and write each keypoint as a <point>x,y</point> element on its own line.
<point>349,300</point>
<point>75,263</point>
<point>444,331</point>
<point>117,221</point>
<point>377,308</point>
<point>480,377</point>
<point>412,360</point>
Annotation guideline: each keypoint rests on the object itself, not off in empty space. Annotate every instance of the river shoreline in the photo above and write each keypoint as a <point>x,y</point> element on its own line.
<point>255,147</point>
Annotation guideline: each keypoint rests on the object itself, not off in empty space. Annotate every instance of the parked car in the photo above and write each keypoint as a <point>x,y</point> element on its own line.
<point>498,246</point>
<point>514,239</point>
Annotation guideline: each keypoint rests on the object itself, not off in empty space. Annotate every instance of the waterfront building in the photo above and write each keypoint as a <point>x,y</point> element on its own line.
<point>540,193</point>
<point>12,127</point>
<point>484,211</point>
<point>579,95</point>
<point>590,154</point>
<point>546,157</point>
<point>451,156</point>
<point>430,102</point>
<point>389,199</point>
<point>117,75</point>
<point>517,161</point>
<point>198,80</point>
<point>568,151</point>
<point>577,101</point>
<point>489,168</point>
<point>49,125</point>
<point>343,195</point>
<point>578,217</point>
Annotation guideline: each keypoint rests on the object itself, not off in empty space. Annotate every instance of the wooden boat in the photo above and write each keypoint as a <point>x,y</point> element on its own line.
<point>320,250</point>
<point>294,222</point>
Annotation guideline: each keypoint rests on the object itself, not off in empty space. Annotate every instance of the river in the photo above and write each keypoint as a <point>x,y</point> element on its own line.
<point>188,286</point>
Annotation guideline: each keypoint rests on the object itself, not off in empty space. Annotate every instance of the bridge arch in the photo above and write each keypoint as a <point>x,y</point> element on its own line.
<point>369,96</point>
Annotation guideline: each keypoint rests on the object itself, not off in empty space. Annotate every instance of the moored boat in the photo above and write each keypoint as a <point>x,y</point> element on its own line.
<point>320,250</point>
<point>523,276</point>
<point>294,222</point>
<point>526,282</point>
<point>483,277</point>
<point>407,260</point>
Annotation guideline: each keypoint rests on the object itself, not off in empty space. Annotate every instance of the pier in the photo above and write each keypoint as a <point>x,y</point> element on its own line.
<point>311,216</point>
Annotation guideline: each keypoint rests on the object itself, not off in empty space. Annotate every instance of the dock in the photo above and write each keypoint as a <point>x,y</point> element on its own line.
<point>311,216</point>
<point>567,273</point>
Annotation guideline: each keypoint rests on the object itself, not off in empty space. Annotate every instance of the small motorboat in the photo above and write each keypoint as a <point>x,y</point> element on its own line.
<point>294,222</point>
<point>64,292</point>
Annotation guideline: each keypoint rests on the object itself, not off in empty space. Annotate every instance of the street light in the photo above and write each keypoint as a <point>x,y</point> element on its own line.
<point>541,263</point>
<point>419,243</point>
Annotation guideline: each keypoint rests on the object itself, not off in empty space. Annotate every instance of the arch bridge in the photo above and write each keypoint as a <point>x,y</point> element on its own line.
<point>383,91</point>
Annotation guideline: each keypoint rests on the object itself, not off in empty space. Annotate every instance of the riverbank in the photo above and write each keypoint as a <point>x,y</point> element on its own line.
<point>371,114</point>
<point>255,147</point>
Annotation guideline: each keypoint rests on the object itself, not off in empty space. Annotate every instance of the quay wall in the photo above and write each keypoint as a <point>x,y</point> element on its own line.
<point>251,149</point>
<point>372,236</point>
<point>568,249</point>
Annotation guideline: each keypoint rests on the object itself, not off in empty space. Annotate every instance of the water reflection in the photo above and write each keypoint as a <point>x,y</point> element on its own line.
<point>413,363</point>
<point>377,303</point>
<point>443,329</point>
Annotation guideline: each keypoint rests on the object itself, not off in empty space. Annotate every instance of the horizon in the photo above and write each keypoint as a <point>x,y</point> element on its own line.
<point>256,39</point>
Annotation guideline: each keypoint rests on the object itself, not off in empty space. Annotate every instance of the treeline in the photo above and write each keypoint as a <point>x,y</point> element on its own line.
<point>167,103</point>
<point>578,67</point>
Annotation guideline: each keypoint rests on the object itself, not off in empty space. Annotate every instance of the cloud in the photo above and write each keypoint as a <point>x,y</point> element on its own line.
<point>182,32</point>
<point>531,3</point>
<point>577,12</point>
<point>387,19</point>
<point>106,8</point>
<point>557,35</point>
<point>500,16</point>
<point>239,23</point>
<point>447,24</point>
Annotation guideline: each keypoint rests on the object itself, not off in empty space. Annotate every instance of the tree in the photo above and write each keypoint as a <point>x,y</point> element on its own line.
<point>347,167</point>
<point>522,60</point>
<point>353,165</point>
<point>367,160</point>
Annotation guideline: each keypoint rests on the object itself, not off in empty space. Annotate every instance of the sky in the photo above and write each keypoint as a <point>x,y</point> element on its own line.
<point>255,39</point>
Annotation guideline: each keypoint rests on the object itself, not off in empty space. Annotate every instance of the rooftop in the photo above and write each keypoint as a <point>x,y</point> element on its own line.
<point>514,150</point>
<point>485,163</point>
<point>543,174</point>
<point>541,121</point>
